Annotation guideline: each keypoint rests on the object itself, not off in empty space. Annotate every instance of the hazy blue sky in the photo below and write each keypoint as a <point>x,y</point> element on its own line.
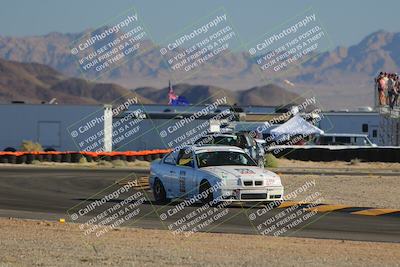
<point>347,22</point>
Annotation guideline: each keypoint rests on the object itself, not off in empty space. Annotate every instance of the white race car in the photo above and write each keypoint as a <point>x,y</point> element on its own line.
<point>210,173</point>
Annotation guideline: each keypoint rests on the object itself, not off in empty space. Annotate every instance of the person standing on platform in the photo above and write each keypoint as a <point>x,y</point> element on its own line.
<point>396,91</point>
<point>391,89</point>
<point>381,89</point>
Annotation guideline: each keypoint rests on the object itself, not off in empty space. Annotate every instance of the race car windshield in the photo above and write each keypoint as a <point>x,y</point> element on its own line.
<point>221,158</point>
<point>218,140</point>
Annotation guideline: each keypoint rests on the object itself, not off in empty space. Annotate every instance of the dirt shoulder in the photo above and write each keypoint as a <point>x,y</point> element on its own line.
<point>339,165</point>
<point>357,191</point>
<point>41,243</point>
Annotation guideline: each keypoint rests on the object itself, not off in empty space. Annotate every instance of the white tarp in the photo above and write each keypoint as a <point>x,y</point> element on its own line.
<point>296,126</point>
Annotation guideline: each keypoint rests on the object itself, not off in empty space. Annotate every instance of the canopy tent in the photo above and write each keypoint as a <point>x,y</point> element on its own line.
<point>295,126</point>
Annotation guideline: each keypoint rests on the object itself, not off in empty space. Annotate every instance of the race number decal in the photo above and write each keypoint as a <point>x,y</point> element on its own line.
<point>245,171</point>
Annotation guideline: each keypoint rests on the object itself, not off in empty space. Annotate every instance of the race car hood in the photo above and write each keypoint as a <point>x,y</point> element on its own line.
<point>244,172</point>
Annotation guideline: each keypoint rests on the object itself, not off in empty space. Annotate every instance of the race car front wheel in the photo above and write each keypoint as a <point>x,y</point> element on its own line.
<point>160,196</point>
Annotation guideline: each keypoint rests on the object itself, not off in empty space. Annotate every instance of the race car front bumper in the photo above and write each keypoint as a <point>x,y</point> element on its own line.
<point>274,193</point>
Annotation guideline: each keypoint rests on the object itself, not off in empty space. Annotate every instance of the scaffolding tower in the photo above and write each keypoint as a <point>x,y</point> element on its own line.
<point>389,126</point>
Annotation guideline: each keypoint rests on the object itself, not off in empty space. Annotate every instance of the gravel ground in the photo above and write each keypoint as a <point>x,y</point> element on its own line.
<point>41,243</point>
<point>359,191</point>
<point>341,165</point>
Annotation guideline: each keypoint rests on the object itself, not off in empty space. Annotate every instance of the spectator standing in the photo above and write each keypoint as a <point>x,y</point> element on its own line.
<point>391,89</point>
<point>381,82</point>
<point>396,91</point>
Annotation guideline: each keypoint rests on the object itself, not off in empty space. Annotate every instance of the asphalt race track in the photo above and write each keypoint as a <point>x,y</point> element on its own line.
<point>47,193</point>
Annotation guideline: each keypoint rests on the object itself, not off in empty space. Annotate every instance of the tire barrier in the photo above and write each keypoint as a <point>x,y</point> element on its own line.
<point>116,157</point>
<point>29,158</point>
<point>130,158</point>
<point>367,154</point>
<point>66,158</point>
<point>38,157</point>
<point>75,157</point>
<point>56,157</point>
<point>21,159</point>
<point>106,158</point>
<point>397,157</point>
<point>12,159</point>
<point>47,157</point>
<point>3,159</point>
<point>88,158</point>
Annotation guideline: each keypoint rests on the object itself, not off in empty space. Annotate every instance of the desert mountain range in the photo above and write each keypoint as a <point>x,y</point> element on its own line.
<point>341,78</point>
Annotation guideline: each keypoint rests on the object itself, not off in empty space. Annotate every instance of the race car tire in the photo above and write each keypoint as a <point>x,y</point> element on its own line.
<point>160,196</point>
<point>205,187</point>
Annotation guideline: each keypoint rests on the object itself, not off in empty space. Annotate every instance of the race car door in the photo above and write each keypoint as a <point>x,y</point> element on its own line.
<point>169,172</point>
<point>185,173</point>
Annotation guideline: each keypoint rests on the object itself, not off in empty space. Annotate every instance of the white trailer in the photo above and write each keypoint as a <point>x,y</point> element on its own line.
<point>353,122</point>
<point>52,125</point>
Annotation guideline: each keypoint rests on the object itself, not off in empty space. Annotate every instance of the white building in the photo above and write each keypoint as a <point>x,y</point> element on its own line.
<point>142,127</point>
